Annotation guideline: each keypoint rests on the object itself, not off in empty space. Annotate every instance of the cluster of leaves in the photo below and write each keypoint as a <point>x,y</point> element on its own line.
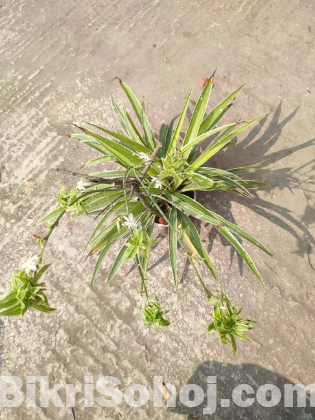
<point>64,198</point>
<point>26,292</point>
<point>153,315</point>
<point>227,321</point>
<point>153,181</point>
<point>139,242</point>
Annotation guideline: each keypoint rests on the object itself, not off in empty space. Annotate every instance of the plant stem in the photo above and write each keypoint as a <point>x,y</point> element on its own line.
<point>152,157</point>
<point>146,204</point>
<point>52,227</point>
<point>94,179</point>
<point>46,237</point>
<point>207,292</point>
<point>143,285</point>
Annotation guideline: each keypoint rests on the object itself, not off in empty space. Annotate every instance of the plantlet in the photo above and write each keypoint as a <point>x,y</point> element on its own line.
<point>227,322</point>
<point>153,315</point>
<point>155,182</point>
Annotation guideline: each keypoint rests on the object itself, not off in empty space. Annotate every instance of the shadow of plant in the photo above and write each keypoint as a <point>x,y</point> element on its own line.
<point>229,376</point>
<point>253,150</point>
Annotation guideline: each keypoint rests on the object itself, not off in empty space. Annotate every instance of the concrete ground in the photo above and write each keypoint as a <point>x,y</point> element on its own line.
<point>58,60</point>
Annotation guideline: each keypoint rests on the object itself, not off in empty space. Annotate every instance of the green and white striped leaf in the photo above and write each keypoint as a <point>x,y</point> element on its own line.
<point>218,118</point>
<point>109,174</point>
<point>39,274</point>
<point>215,219</point>
<point>130,127</point>
<point>234,242</point>
<point>200,183</point>
<point>103,159</point>
<point>98,264</point>
<point>172,240</point>
<point>119,261</point>
<point>242,233</point>
<point>111,232</point>
<point>98,202</point>
<point>199,112</point>
<point>9,301</point>
<point>179,126</point>
<point>119,114</point>
<point>169,136</point>
<point>193,235</point>
<point>162,138</point>
<point>88,140</point>
<point>52,215</point>
<point>122,153</point>
<point>133,100</point>
<point>186,149</point>
<point>206,123</point>
<point>135,128</point>
<point>217,145</point>
<point>134,145</point>
<point>97,239</point>
<point>190,206</point>
<point>148,134</point>
<point>116,209</point>
<point>210,216</point>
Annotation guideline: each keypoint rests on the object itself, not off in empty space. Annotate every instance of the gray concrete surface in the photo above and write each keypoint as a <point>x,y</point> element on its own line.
<point>58,59</point>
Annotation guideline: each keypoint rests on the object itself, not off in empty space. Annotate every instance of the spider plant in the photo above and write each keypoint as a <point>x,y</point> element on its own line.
<point>227,321</point>
<point>152,314</point>
<point>153,181</point>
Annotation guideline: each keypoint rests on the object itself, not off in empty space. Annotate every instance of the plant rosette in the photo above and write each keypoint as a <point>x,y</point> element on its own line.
<point>154,180</point>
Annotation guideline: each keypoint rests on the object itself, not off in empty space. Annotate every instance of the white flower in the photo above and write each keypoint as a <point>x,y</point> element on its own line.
<point>144,156</point>
<point>81,185</point>
<point>157,182</point>
<point>130,221</point>
<point>31,266</point>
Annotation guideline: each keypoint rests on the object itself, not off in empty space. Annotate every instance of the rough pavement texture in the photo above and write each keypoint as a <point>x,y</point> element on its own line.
<point>58,59</point>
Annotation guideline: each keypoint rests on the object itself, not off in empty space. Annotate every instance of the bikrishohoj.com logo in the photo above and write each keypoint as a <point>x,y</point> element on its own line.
<point>107,391</point>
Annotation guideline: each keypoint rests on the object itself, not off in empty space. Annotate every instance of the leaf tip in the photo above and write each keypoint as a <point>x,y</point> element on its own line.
<point>261,280</point>
<point>212,76</point>
<point>119,79</point>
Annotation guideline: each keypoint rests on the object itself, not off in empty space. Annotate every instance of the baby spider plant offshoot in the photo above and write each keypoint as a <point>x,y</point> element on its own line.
<point>227,321</point>
<point>152,314</point>
<point>154,182</point>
